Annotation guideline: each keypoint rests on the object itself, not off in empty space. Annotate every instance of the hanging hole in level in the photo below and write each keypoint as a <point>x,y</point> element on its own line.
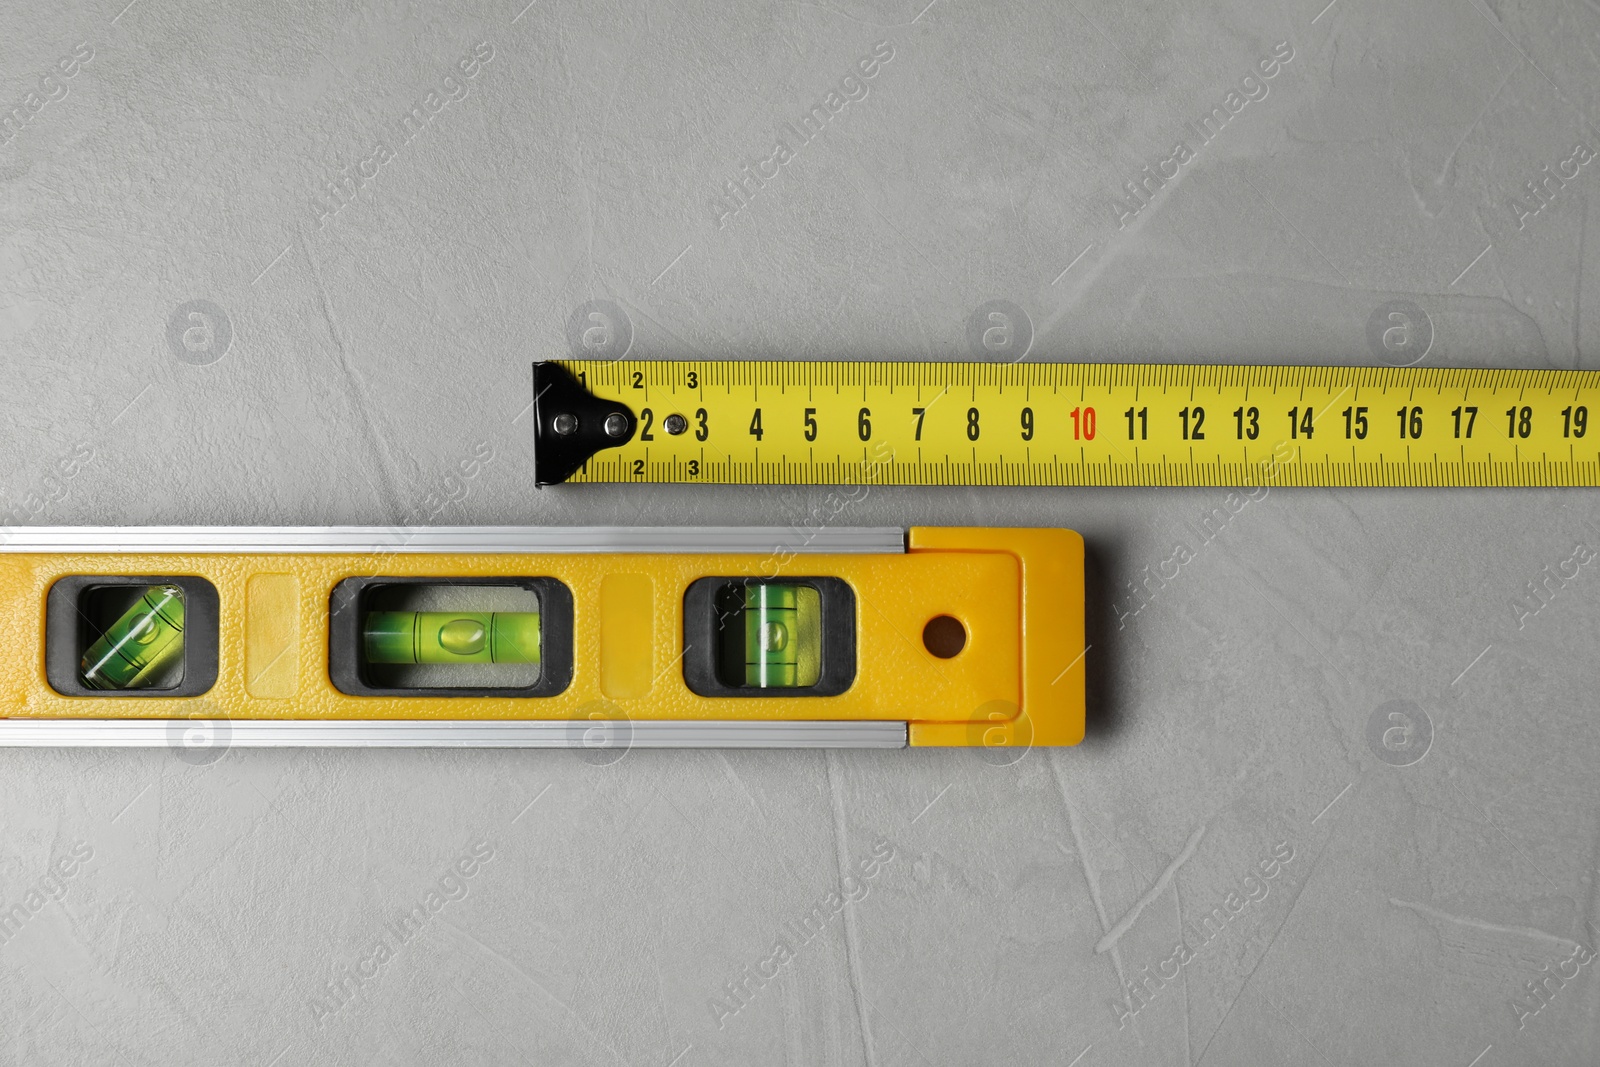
<point>944,636</point>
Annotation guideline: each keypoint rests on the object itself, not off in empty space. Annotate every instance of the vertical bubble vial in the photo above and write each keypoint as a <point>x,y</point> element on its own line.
<point>774,640</point>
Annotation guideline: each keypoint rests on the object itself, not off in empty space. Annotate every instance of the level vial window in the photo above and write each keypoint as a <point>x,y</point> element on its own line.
<point>452,637</point>
<point>509,637</point>
<point>440,635</point>
<point>769,638</point>
<point>131,635</point>
<point>137,637</point>
<point>771,635</point>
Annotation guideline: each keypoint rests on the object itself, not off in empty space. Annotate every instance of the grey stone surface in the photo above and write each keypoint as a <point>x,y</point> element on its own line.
<point>375,340</point>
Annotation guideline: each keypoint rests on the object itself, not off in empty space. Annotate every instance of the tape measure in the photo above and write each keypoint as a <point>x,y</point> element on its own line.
<point>903,423</point>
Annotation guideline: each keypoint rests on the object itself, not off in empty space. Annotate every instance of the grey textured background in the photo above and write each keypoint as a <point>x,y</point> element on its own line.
<point>374,348</point>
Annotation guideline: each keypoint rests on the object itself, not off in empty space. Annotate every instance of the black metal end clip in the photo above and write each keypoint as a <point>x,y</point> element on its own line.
<point>571,424</point>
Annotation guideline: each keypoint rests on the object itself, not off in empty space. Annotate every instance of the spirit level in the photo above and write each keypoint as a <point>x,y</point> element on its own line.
<point>1062,424</point>
<point>560,637</point>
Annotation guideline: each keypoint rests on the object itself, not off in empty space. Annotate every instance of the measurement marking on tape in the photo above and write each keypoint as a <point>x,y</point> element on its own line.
<point>1074,424</point>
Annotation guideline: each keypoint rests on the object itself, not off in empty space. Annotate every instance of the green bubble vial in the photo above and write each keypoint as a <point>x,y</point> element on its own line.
<point>775,640</point>
<point>451,637</point>
<point>136,649</point>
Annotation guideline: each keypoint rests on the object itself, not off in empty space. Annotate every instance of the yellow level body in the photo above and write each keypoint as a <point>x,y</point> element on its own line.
<point>1094,424</point>
<point>1017,595</point>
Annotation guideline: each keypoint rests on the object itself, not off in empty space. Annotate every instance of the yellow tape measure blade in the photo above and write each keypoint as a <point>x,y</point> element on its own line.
<point>896,423</point>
